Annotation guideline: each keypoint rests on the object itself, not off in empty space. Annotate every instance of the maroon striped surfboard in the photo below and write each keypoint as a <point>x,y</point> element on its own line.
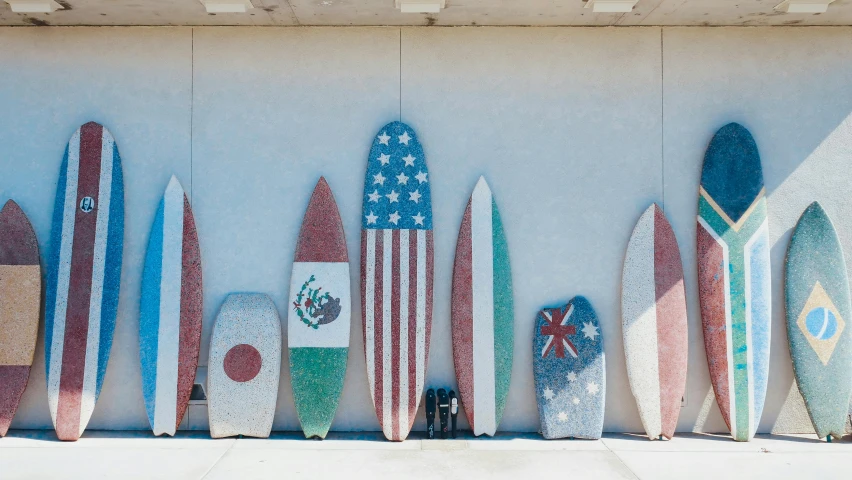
<point>20,307</point>
<point>83,277</point>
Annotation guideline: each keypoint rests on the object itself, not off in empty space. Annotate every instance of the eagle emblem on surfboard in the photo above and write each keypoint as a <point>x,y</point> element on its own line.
<point>315,307</point>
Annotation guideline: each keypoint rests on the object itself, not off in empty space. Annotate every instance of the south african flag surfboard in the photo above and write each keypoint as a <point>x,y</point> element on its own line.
<point>734,277</point>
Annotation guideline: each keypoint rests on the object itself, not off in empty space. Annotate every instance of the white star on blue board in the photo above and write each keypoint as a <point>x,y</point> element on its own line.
<point>590,330</point>
<point>592,388</point>
<point>392,187</point>
<point>371,218</point>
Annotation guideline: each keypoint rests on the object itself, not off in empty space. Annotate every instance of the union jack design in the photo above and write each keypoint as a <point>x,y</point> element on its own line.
<point>557,332</point>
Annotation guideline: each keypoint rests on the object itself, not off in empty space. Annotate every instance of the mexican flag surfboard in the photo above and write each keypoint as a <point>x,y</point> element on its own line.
<point>319,313</point>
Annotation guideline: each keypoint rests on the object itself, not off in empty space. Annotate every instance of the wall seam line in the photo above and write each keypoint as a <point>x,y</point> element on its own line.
<point>400,74</point>
<point>662,121</point>
<point>191,111</point>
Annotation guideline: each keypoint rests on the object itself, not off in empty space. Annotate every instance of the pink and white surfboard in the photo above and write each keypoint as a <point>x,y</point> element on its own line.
<point>653,306</point>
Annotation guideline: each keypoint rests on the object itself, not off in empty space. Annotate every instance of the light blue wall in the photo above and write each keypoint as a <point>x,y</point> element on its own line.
<point>576,130</point>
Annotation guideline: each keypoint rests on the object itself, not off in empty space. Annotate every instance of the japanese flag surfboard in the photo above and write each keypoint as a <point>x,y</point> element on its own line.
<point>569,371</point>
<point>83,277</point>
<point>244,367</point>
<point>734,277</point>
<point>653,309</point>
<point>482,313</point>
<point>320,312</point>
<point>170,311</point>
<point>818,311</point>
<point>396,276</point>
<point>20,307</point>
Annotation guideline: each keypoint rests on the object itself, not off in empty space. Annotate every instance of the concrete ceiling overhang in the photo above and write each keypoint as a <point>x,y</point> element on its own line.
<point>456,13</point>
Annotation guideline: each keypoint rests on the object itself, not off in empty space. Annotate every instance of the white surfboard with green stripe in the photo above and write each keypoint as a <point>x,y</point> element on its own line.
<point>482,312</point>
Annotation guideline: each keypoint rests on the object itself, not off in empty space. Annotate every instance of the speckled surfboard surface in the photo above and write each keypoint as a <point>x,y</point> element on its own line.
<point>653,308</point>
<point>244,367</point>
<point>396,276</point>
<point>734,277</point>
<point>20,307</point>
<point>320,312</point>
<point>83,276</point>
<point>482,312</point>
<point>818,311</point>
<point>170,311</point>
<point>569,371</point>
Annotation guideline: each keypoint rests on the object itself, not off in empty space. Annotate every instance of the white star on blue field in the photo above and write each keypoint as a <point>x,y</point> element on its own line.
<point>396,186</point>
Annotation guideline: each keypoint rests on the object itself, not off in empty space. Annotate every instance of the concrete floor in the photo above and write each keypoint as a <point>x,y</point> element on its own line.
<point>130,455</point>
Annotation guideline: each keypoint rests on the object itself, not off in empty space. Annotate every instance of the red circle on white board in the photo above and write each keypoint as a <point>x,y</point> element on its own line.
<point>242,363</point>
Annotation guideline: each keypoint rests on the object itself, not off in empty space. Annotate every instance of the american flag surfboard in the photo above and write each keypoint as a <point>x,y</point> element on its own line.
<point>83,276</point>
<point>396,276</point>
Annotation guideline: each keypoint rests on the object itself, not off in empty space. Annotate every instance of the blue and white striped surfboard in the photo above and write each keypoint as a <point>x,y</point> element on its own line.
<point>170,316</point>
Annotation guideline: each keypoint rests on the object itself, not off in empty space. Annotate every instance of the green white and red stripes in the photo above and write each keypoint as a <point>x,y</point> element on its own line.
<point>482,313</point>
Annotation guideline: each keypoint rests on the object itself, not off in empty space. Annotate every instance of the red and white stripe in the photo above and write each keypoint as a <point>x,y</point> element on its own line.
<point>75,344</point>
<point>396,280</point>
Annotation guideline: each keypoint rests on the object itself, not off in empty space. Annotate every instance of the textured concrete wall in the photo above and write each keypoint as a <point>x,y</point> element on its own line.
<point>577,131</point>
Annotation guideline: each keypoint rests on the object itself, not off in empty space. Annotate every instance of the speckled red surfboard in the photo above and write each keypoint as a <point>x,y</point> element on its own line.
<point>20,306</point>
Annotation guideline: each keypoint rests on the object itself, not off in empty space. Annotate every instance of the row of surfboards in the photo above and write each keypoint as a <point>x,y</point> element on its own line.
<point>84,264</point>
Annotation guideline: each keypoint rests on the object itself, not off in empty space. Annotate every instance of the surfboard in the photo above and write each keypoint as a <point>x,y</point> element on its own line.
<point>734,277</point>
<point>818,308</point>
<point>653,309</point>
<point>20,307</point>
<point>244,367</point>
<point>320,311</point>
<point>83,277</point>
<point>482,312</point>
<point>170,311</point>
<point>569,371</point>
<point>396,276</point>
